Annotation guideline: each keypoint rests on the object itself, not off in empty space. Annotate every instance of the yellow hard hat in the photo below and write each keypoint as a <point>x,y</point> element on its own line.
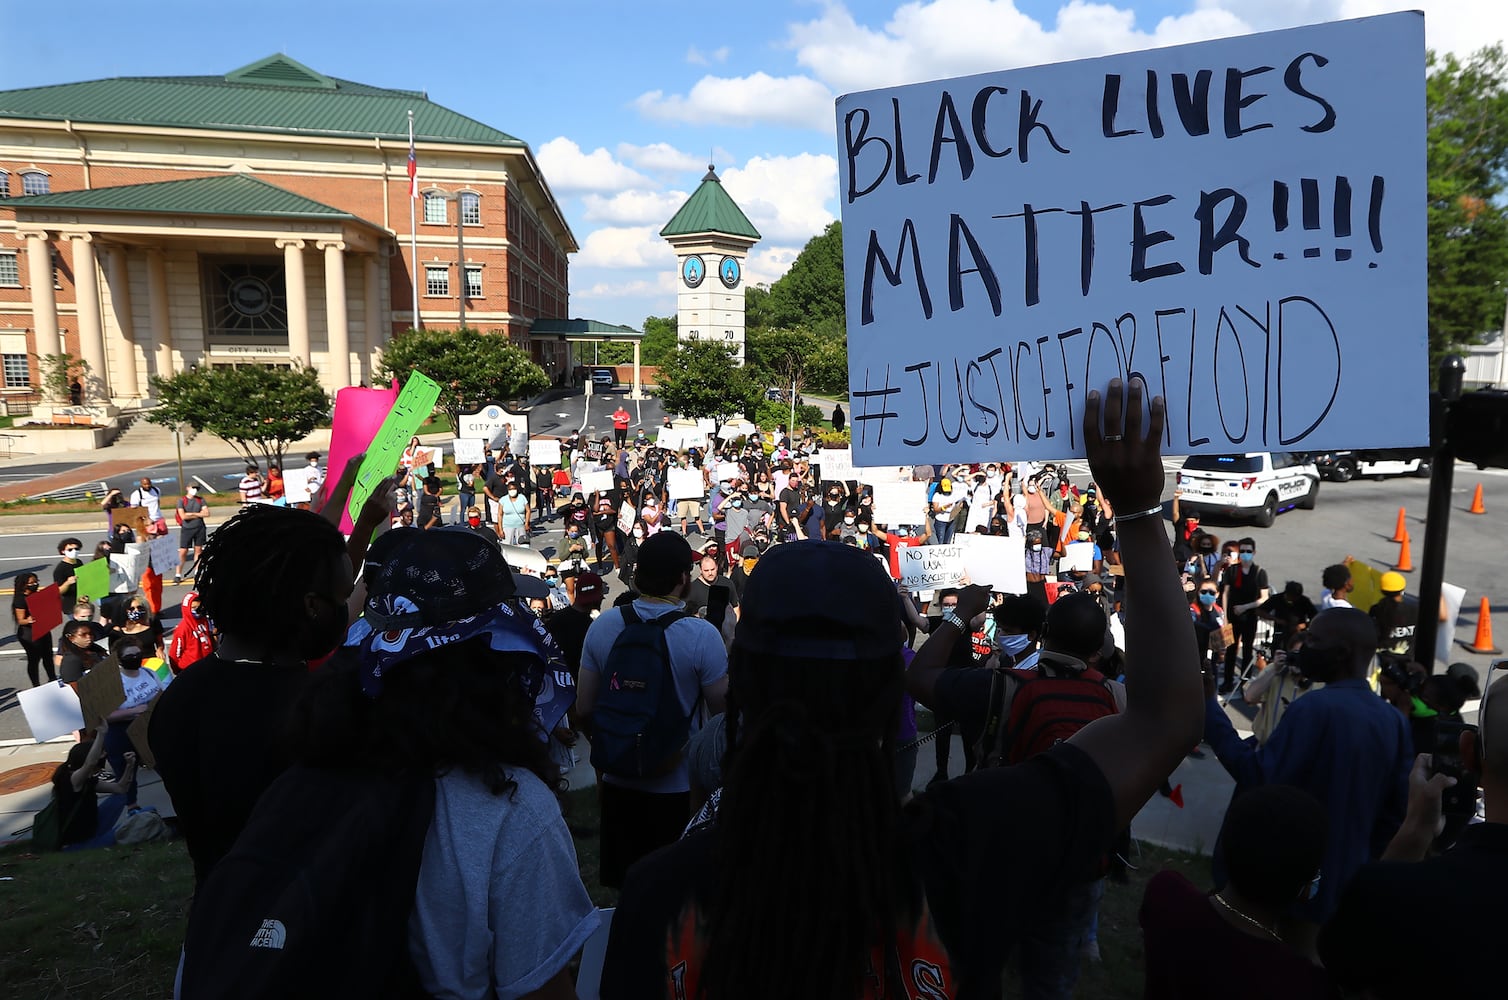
<point>1392,583</point>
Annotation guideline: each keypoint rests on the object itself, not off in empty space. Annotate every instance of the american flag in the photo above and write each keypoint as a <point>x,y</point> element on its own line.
<point>413,162</point>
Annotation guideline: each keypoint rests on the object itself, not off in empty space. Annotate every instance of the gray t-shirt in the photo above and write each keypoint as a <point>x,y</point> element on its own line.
<point>499,908</point>
<point>697,658</point>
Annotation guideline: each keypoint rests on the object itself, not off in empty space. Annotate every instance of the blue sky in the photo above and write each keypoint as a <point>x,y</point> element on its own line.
<point>623,102</point>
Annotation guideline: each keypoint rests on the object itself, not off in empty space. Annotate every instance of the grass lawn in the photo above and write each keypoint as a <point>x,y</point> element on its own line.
<point>109,923</point>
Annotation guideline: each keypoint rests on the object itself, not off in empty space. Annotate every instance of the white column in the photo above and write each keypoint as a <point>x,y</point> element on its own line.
<point>124,342</point>
<point>638,379</point>
<point>91,324</point>
<point>44,300</point>
<point>338,335</point>
<point>157,303</point>
<point>298,301</point>
<point>371,278</point>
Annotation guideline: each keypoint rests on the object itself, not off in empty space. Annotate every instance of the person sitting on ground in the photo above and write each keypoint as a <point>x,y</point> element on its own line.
<point>86,821</point>
<point>812,873</point>
<point>499,908</point>
<point>1272,839</point>
<point>1466,884</point>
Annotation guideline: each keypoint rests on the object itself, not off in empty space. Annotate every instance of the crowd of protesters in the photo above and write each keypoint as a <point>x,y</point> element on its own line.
<point>781,845</point>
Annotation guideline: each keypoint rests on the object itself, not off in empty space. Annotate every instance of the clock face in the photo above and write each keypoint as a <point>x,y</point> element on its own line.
<point>693,271</point>
<point>729,271</point>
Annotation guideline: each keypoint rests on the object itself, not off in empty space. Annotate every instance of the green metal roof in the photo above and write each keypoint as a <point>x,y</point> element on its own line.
<point>710,210</point>
<point>273,95</point>
<point>582,327</point>
<point>225,194</point>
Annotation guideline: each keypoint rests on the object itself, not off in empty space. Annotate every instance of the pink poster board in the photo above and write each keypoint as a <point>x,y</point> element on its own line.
<point>359,414</point>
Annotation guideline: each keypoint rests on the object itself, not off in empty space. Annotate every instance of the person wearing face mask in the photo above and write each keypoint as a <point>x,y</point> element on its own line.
<point>140,686</point>
<point>1203,561</point>
<point>265,565</point>
<point>140,628</point>
<point>192,512</point>
<point>1341,743</point>
<point>1034,505</point>
<point>193,639</point>
<point>943,510</point>
<point>1039,564</point>
<point>834,510</point>
<point>1243,589</point>
<point>513,516</point>
<point>1208,615</point>
<point>476,523</point>
<point>78,654</point>
<point>630,555</point>
<point>62,573</point>
<point>38,647</point>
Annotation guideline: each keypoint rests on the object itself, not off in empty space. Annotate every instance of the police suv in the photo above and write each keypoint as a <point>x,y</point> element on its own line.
<point>1253,486</point>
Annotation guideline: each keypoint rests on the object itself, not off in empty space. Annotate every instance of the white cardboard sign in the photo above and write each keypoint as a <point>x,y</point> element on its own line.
<point>1078,557</point>
<point>544,451</point>
<point>997,562</point>
<point>1239,224</point>
<point>51,710</point>
<point>727,471</point>
<point>596,482</point>
<point>836,463</point>
<point>686,484</point>
<point>900,503</point>
<point>928,567</point>
<point>469,451</point>
<point>296,484</point>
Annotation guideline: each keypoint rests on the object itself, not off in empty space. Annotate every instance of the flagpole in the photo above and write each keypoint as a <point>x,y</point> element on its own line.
<point>413,231</point>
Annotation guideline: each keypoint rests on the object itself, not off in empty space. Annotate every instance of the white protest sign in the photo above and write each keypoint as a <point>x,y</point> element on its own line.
<point>836,463</point>
<point>544,451</point>
<point>51,710</point>
<point>900,503</point>
<point>626,516</point>
<point>126,568</point>
<point>468,451</point>
<point>996,561</point>
<point>670,438</point>
<point>882,473</point>
<point>596,482</point>
<point>1078,557</point>
<point>1239,224</point>
<point>728,471</point>
<point>928,567</point>
<point>164,554</point>
<point>705,426</point>
<point>296,484</point>
<point>686,484</point>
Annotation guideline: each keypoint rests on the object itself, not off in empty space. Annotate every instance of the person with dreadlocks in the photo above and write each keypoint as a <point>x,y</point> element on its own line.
<point>274,581</point>
<point>813,880</point>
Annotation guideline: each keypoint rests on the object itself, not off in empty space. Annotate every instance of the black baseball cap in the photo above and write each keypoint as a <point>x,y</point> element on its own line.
<point>781,615</point>
<point>438,576</point>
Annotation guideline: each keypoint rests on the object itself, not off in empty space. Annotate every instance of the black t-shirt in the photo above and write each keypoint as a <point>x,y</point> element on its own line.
<point>64,570</point>
<point>1395,621</point>
<point>188,737</point>
<point>18,603</point>
<point>568,626</point>
<point>497,486</point>
<point>700,594</point>
<point>429,510</point>
<point>1468,881</point>
<point>963,695</point>
<point>78,827</point>
<point>976,897</point>
<point>1246,584</point>
<point>793,502</point>
<point>76,661</point>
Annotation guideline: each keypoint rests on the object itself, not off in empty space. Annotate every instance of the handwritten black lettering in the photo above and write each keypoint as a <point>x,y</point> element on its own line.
<point>958,228</point>
<point>1236,101</point>
<point>1142,241</point>
<point>949,129</point>
<point>893,272</point>
<point>980,119</point>
<point>921,380</point>
<point>1068,385</point>
<point>1293,80</point>
<point>1211,239</point>
<point>1305,335</point>
<point>1028,123</point>
<point>989,356</point>
<point>1235,385</point>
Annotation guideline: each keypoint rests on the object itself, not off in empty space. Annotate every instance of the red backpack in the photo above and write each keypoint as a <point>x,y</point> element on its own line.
<point>1045,710</point>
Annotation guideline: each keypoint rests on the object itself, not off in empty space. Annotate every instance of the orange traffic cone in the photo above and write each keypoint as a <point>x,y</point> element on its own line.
<point>1405,557</point>
<point>1483,642</point>
<point>1476,502</point>
<point>1399,531</point>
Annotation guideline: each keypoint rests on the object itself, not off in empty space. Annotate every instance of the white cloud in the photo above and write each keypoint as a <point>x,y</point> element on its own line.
<point>696,57</point>
<point>626,247</point>
<point>633,207</point>
<point>1459,26</point>
<point>659,158</point>
<point>657,292</point>
<point>786,197</point>
<point>767,264</point>
<point>758,99</point>
<point>570,170</point>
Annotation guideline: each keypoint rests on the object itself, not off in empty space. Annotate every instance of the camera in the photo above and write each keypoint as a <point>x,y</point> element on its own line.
<point>1461,798</point>
<point>1396,669</point>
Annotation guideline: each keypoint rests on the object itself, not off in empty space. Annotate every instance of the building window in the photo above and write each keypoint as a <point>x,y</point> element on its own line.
<point>10,271</point>
<point>471,208</point>
<point>434,209</point>
<point>437,279</point>
<point>473,281</point>
<point>35,182</point>
<point>4,184</point>
<point>17,371</point>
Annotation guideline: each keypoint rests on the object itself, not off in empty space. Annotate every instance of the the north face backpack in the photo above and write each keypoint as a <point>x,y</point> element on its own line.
<point>1044,711</point>
<point>314,898</point>
<point>639,726</point>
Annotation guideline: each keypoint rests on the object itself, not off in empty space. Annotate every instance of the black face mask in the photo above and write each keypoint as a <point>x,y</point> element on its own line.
<point>1320,665</point>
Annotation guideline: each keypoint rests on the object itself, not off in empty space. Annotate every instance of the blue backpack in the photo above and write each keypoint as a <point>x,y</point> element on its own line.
<point>639,727</point>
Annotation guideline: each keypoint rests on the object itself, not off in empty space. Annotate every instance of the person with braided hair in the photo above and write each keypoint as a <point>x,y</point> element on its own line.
<point>812,880</point>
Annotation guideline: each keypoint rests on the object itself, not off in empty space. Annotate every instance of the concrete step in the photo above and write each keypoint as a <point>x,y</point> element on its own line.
<point>141,431</point>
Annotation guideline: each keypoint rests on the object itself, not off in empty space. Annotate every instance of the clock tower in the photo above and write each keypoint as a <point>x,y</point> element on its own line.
<point>712,238</point>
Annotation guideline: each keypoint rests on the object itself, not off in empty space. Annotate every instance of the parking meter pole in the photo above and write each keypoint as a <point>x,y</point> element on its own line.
<point>1437,517</point>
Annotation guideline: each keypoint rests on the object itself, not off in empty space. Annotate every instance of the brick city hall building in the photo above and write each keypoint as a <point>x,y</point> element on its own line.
<point>149,224</point>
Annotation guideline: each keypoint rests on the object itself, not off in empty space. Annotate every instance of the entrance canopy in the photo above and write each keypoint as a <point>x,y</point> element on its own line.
<point>591,331</point>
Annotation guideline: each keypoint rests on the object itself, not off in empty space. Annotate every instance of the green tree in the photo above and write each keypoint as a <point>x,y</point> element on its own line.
<point>470,366</point>
<point>660,339</point>
<point>258,409</point>
<point>810,361</point>
<point>702,380</point>
<point>810,294</point>
<point>1467,149</point>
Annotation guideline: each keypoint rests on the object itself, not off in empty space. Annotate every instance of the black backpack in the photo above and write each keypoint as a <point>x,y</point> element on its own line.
<point>639,727</point>
<point>314,898</point>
